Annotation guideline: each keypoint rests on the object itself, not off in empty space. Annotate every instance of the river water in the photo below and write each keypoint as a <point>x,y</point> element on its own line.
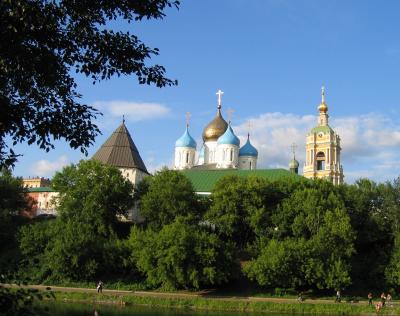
<point>75,309</point>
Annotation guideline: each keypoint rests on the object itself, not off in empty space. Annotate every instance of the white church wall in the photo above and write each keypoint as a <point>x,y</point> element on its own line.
<point>184,157</point>
<point>247,163</point>
<point>227,156</point>
<point>210,152</point>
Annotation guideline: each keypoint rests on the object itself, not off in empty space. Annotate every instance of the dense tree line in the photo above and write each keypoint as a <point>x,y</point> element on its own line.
<point>291,233</point>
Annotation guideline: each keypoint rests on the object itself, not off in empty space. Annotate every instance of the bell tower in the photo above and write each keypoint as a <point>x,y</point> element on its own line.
<point>323,149</point>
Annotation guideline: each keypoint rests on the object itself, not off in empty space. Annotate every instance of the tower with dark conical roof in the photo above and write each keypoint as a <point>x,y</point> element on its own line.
<point>120,151</point>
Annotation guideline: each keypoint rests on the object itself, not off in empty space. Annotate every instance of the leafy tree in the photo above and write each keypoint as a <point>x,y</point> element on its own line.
<point>76,253</point>
<point>46,41</point>
<point>368,206</point>
<point>227,211</point>
<point>166,196</point>
<point>181,255</point>
<point>12,196</point>
<point>242,207</point>
<point>94,194</point>
<point>33,242</point>
<point>277,264</point>
<point>20,301</point>
<point>312,241</point>
<point>392,271</point>
<point>13,200</point>
<point>81,243</point>
<point>327,265</point>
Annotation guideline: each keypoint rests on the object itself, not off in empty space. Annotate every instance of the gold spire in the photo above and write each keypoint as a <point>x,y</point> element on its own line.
<point>323,107</point>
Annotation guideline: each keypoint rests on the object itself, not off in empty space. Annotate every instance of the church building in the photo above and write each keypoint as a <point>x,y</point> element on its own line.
<point>220,149</point>
<point>219,155</point>
<point>323,149</point>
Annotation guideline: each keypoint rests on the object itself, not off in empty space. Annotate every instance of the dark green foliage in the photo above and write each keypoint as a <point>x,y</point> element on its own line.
<point>277,264</point>
<point>12,196</point>
<point>81,244</point>
<point>76,253</point>
<point>312,241</point>
<point>19,301</point>
<point>241,208</point>
<point>301,235</point>
<point>13,200</point>
<point>181,255</point>
<point>372,211</point>
<point>392,271</point>
<point>94,194</point>
<point>46,41</point>
<point>167,195</point>
<point>33,242</point>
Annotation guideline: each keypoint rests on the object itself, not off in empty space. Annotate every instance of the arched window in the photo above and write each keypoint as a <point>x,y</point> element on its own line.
<point>187,157</point>
<point>250,165</point>
<point>320,161</point>
<point>231,154</point>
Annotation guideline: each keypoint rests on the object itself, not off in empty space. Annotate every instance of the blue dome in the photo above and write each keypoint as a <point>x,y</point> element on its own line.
<point>229,137</point>
<point>248,149</point>
<point>186,140</point>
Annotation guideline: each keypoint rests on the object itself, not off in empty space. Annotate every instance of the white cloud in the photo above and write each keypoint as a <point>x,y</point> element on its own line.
<point>133,111</point>
<point>370,143</point>
<point>46,168</point>
<point>273,134</point>
<point>154,164</point>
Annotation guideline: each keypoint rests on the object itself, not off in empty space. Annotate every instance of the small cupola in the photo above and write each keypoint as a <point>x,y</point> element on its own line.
<point>229,137</point>
<point>186,140</point>
<point>248,149</point>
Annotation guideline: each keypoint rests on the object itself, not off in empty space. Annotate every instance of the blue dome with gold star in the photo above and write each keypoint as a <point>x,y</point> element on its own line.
<point>186,140</point>
<point>248,149</point>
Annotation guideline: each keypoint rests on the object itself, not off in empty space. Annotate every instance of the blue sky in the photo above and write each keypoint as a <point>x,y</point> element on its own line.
<point>270,57</point>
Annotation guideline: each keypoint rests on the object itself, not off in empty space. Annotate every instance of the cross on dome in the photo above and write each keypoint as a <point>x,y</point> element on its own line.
<point>219,94</point>
<point>230,113</point>
<point>323,94</point>
<point>293,147</point>
<point>188,115</point>
<point>249,126</point>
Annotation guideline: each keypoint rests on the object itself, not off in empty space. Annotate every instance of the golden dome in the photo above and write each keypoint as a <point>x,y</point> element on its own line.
<point>215,128</point>
<point>323,107</point>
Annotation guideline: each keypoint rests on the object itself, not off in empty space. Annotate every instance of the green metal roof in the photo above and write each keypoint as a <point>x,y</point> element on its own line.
<point>204,180</point>
<point>40,189</point>
<point>323,129</point>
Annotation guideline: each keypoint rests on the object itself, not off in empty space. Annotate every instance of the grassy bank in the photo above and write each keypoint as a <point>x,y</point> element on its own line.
<point>217,304</point>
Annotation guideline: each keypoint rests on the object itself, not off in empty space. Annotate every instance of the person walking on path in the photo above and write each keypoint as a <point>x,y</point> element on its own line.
<point>383,299</point>
<point>389,300</point>
<point>100,287</point>
<point>369,298</point>
<point>338,297</point>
